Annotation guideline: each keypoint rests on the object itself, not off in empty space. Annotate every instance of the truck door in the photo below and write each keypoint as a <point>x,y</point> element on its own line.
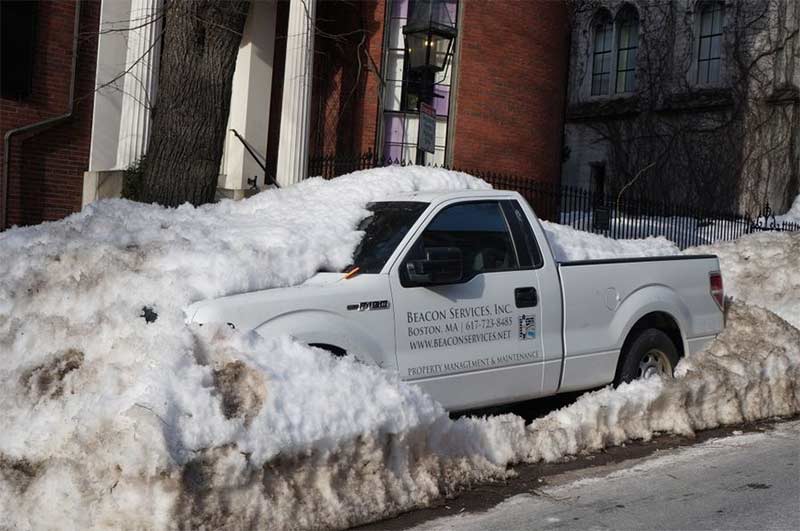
<point>475,342</point>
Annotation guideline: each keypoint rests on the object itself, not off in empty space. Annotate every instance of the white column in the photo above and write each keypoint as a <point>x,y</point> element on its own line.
<point>296,105</point>
<point>250,98</point>
<point>139,88</point>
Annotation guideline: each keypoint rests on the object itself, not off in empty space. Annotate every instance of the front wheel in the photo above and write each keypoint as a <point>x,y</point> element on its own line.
<point>651,353</point>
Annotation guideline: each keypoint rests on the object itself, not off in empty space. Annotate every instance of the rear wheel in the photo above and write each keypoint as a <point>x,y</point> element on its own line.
<point>651,352</point>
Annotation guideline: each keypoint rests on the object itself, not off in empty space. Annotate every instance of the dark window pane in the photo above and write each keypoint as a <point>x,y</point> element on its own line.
<point>713,70</point>
<point>622,60</point>
<point>606,63</point>
<point>478,230</point>
<point>705,22</point>
<point>620,86</point>
<point>383,230</point>
<point>596,86</point>
<point>17,43</point>
<point>527,249</point>
<point>624,35</point>
<point>598,63</point>
<point>630,81</point>
<point>705,47</point>
<point>714,51</point>
<point>716,24</point>
<point>702,72</point>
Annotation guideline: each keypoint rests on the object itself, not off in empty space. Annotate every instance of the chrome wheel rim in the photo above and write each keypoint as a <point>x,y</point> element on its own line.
<point>655,362</point>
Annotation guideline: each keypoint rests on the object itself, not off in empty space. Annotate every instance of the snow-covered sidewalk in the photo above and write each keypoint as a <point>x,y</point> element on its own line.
<point>113,421</point>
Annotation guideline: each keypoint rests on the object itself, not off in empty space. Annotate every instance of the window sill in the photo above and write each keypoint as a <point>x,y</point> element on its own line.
<point>617,105</point>
<point>698,98</point>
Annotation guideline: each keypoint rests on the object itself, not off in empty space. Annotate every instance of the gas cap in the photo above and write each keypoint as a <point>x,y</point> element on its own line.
<point>612,299</point>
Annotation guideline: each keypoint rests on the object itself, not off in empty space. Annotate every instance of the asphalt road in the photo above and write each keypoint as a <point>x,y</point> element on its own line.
<point>737,481</point>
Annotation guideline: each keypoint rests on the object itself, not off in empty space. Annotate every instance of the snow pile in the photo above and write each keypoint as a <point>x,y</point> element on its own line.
<point>111,421</point>
<point>571,244</point>
<point>762,269</point>
<point>793,215</point>
<point>103,412</point>
<point>751,372</point>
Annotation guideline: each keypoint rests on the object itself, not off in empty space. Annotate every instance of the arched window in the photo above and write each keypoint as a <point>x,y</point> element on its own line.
<point>709,56</point>
<point>627,46</point>
<point>601,54</point>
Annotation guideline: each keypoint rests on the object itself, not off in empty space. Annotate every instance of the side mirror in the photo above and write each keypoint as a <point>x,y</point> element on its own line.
<point>441,265</point>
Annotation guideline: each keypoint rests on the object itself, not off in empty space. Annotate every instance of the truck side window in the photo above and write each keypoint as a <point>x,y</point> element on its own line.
<point>527,248</point>
<point>479,230</point>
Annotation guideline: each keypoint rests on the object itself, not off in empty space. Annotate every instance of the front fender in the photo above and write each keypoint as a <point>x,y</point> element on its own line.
<point>645,300</point>
<point>319,326</point>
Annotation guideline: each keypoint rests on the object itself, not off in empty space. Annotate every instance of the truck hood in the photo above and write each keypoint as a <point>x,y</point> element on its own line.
<point>329,292</point>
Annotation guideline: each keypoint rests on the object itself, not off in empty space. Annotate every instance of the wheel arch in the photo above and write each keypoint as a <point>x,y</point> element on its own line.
<point>659,320</point>
<point>325,330</point>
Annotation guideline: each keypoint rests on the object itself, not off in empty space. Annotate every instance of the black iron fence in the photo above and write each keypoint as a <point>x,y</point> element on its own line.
<point>613,216</point>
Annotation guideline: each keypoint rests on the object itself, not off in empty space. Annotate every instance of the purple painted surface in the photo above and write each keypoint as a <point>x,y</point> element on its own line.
<point>393,151</point>
<point>441,99</point>
<point>393,128</point>
<point>400,8</point>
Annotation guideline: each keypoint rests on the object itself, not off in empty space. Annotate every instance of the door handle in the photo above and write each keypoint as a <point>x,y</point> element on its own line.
<point>526,297</point>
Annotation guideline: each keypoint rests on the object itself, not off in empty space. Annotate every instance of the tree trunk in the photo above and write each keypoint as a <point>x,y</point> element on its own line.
<point>201,40</point>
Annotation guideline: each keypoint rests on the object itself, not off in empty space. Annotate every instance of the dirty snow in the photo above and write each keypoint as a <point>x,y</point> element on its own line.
<point>113,422</point>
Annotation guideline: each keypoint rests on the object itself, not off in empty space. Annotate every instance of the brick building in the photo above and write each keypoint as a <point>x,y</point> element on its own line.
<point>48,71</point>
<point>313,78</point>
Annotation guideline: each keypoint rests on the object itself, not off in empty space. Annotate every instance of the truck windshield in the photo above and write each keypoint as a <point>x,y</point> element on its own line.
<point>383,231</point>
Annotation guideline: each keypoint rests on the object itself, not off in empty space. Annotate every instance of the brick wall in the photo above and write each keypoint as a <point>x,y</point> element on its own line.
<point>46,172</point>
<point>373,24</point>
<point>511,88</point>
<point>345,93</point>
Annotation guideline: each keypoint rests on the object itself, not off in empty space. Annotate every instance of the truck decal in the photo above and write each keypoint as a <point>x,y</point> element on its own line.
<point>368,306</point>
<point>487,362</point>
<point>527,327</point>
<point>459,325</point>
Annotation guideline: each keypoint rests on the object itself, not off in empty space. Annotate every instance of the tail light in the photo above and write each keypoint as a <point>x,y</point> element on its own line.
<point>716,288</point>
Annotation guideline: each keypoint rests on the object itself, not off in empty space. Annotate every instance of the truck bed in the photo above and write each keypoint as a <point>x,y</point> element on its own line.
<point>604,298</point>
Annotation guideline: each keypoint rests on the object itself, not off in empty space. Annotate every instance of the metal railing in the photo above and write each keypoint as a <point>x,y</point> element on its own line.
<point>611,216</point>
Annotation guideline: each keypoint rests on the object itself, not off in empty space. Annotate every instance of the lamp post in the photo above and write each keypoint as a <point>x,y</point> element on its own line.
<point>429,36</point>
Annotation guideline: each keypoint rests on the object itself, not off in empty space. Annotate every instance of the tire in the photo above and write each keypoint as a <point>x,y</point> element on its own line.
<point>651,352</point>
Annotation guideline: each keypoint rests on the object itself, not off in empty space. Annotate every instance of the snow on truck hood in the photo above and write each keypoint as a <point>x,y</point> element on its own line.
<point>248,310</point>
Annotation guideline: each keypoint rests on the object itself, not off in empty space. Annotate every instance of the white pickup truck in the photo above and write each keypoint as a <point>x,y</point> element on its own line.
<point>460,293</point>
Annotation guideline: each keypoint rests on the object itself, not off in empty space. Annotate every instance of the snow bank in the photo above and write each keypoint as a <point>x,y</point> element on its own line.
<point>113,422</point>
<point>103,412</point>
<point>793,215</point>
<point>762,269</point>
